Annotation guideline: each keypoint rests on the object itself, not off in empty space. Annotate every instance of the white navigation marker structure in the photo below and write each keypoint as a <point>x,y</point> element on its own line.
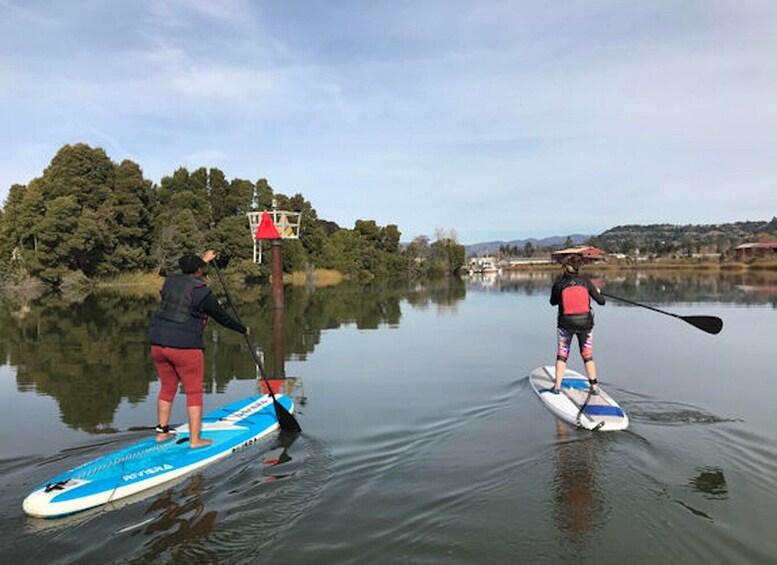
<point>285,222</point>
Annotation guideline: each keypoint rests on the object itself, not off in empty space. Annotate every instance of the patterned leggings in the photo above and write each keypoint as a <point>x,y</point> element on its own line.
<point>585,339</point>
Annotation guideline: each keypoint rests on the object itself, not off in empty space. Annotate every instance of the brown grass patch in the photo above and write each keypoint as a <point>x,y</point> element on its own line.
<point>132,284</point>
<point>318,278</point>
<point>763,265</point>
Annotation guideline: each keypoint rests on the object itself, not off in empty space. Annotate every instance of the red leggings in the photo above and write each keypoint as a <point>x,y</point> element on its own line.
<point>184,365</point>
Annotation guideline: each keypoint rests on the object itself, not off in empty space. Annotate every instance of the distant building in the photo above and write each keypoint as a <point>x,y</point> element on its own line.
<point>588,253</point>
<point>752,250</point>
<point>529,261</point>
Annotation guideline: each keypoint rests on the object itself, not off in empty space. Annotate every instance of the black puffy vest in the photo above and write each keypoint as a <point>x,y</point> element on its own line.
<point>179,321</point>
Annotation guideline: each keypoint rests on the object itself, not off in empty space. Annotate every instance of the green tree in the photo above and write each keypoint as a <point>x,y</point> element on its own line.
<point>12,232</point>
<point>294,255</point>
<point>74,227</point>
<point>416,256</point>
<point>179,235</point>
<point>447,257</point>
<point>389,239</point>
<point>80,171</point>
<point>369,230</point>
<point>263,195</point>
<point>184,190</point>
<point>183,216</point>
<point>628,245</point>
<point>232,235</point>
<point>240,197</point>
<point>134,206</point>
<point>218,193</point>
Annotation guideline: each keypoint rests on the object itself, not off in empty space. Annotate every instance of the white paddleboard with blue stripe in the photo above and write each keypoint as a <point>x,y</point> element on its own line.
<point>574,404</point>
<point>148,463</point>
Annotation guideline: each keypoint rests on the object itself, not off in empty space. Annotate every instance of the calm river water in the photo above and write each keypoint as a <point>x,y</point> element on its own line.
<point>423,441</point>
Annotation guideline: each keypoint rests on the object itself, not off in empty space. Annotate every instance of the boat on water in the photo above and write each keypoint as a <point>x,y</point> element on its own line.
<point>484,267</point>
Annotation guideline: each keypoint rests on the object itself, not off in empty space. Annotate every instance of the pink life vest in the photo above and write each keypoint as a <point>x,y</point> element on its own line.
<point>574,300</point>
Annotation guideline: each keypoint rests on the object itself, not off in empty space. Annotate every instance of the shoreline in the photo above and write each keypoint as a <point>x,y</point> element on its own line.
<point>150,283</point>
<point>765,265</point>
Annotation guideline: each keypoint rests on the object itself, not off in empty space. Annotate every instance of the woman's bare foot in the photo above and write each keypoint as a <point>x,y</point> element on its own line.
<point>164,437</point>
<point>200,443</point>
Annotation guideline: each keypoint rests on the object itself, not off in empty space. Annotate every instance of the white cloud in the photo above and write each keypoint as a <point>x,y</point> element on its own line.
<point>204,158</point>
<point>653,110</point>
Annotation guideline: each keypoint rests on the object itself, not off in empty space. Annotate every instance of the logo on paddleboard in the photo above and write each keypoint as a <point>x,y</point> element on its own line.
<point>248,410</point>
<point>147,472</point>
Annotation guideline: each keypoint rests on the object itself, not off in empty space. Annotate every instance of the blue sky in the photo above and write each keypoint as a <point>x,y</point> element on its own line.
<point>500,120</point>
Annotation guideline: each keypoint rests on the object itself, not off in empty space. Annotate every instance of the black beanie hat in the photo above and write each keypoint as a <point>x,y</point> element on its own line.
<point>190,262</point>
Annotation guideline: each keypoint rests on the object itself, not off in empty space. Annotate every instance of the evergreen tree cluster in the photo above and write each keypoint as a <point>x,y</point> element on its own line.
<point>90,215</point>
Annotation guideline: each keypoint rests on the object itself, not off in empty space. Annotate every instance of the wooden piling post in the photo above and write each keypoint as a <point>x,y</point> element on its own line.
<point>277,273</point>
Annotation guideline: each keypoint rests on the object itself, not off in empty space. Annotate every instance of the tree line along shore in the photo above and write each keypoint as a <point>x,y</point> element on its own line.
<point>88,220</point>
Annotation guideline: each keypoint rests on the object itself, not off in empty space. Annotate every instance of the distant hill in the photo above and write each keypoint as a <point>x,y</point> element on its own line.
<point>491,247</point>
<point>654,238</point>
<point>665,238</point>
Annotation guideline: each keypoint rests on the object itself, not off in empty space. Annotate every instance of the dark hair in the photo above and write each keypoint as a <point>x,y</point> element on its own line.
<point>190,262</point>
<point>573,263</point>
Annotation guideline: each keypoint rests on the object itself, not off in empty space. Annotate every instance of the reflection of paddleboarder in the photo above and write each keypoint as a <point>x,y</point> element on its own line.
<point>177,345</point>
<point>572,294</point>
<point>575,491</point>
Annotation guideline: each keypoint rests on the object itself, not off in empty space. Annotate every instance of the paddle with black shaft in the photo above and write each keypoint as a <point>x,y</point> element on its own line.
<point>286,421</point>
<point>709,324</point>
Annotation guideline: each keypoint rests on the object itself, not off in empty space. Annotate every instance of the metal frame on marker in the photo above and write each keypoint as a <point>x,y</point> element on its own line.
<point>286,222</point>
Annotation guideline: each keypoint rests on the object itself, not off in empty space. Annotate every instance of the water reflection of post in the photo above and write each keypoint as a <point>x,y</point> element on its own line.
<point>277,380</point>
<point>279,344</point>
<point>576,494</point>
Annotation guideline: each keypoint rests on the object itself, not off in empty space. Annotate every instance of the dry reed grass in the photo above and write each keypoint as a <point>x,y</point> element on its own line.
<point>133,284</point>
<point>318,278</point>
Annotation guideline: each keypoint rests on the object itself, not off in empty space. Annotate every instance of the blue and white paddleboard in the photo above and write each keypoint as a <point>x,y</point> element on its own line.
<point>574,404</point>
<point>149,463</point>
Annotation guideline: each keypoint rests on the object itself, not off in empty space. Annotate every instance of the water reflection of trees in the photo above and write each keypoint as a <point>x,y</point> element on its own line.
<point>670,287</point>
<point>87,355</point>
<point>740,287</point>
<point>92,353</point>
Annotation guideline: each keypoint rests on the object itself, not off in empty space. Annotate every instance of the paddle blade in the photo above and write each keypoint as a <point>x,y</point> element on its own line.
<point>709,324</point>
<point>286,421</point>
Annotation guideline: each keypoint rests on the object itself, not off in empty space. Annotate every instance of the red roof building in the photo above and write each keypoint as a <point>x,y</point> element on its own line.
<point>588,253</point>
<point>752,250</point>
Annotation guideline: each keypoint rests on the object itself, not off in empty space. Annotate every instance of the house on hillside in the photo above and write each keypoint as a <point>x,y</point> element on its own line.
<point>588,253</point>
<point>753,250</point>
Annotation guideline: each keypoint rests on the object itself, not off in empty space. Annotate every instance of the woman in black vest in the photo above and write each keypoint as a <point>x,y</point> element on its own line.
<point>177,344</point>
<point>572,294</point>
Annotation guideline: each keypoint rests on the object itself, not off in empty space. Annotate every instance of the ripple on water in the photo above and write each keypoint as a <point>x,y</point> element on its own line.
<point>703,491</point>
<point>670,413</point>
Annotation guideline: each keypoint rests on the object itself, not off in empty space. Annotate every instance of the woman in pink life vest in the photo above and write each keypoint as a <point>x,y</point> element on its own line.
<point>572,293</point>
